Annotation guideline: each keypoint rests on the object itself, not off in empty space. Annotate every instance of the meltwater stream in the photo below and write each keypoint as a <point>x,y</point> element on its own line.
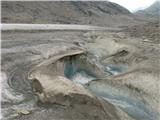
<point>123,100</point>
<point>120,98</point>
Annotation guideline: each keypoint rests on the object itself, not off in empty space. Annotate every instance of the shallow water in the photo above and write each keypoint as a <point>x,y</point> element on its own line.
<point>119,98</point>
<point>123,100</point>
<point>116,69</point>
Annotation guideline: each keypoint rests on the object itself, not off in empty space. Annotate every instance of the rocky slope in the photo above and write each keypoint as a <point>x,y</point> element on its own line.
<point>154,9</point>
<point>97,13</point>
<point>150,32</point>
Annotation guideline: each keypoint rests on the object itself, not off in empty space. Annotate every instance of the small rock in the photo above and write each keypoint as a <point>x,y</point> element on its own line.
<point>22,111</point>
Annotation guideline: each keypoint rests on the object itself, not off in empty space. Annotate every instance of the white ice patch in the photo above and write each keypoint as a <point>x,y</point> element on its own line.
<point>82,78</point>
<point>114,72</point>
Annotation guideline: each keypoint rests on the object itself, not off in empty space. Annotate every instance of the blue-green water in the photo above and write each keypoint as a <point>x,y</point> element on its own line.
<point>81,74</point>
<point>132,106</point>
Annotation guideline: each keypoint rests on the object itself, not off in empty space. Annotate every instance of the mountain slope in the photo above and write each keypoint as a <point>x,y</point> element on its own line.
<point>65,12</point>
<point>154,9</point>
